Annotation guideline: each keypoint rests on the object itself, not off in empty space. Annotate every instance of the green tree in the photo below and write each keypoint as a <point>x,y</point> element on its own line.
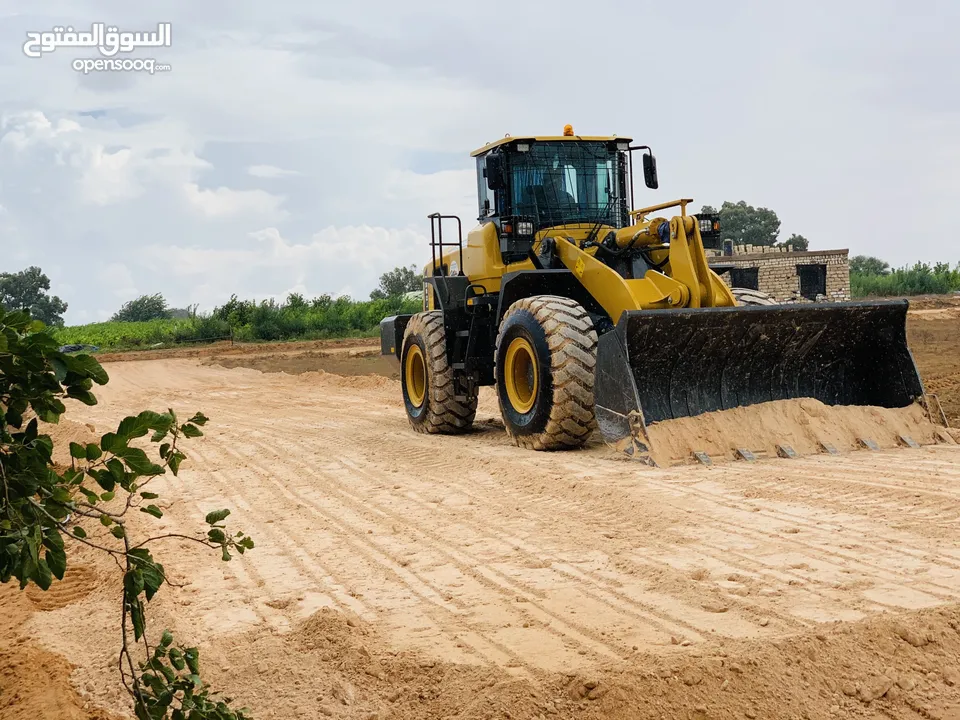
<point>45,509</point>
<point>868,265</point>
<point>27,290</point>
<point>398,281</point>
<point>745,224</point>
<point>144,308</point>
<point>799,242</point>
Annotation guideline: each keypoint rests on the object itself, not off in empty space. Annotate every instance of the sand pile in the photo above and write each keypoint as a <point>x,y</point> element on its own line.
<point>802,424</point>
<point>334,665</point>
<point>65,432</point>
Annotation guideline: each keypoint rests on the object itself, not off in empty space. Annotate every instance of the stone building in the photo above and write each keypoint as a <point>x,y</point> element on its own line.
<point>786,274</point>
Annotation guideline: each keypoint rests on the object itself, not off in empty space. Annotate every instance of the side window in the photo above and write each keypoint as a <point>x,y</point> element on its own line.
<point>745,278</point>
<point>488,204</point>
<point>813,280</point>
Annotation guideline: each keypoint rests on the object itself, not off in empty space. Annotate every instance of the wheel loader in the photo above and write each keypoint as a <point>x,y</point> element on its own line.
<point>587,314</point>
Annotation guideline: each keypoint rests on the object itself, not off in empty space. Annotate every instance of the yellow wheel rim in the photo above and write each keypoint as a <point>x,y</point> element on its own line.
<point>520,375</point>
<point>415,373</point>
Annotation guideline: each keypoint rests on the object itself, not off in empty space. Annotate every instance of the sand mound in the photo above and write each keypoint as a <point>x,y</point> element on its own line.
<point>893,665</point>
<point>802,424</point>
<point>65,432</point>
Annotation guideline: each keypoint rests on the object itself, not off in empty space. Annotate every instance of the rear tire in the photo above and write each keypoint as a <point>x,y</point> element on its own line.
<point>427,379</point>
<point>545,360</point>
<point>746,296</point>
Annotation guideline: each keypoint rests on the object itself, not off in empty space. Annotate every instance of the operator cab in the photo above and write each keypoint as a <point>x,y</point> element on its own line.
<point>529,184</point>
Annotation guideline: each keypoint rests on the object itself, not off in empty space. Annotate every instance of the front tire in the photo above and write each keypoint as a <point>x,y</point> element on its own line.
<point>545,360</point>
<point>427,379</point>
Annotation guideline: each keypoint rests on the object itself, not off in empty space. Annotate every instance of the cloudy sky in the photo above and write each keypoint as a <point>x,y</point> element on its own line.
<point>298,146</point>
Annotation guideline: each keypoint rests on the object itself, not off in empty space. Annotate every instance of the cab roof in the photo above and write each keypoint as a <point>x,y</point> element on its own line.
<point>550,138</point>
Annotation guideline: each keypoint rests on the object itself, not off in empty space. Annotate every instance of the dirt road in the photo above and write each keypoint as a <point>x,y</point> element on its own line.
<point>410,576</point>
<point>403,576</point>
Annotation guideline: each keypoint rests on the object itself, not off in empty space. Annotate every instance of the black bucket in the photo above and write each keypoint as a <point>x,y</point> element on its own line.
<point>664,364</point>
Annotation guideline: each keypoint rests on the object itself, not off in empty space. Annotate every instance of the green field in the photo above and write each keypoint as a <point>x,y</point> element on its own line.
<point>245,321</point>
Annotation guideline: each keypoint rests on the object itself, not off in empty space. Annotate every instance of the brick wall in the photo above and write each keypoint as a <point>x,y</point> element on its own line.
<point>777,269</point>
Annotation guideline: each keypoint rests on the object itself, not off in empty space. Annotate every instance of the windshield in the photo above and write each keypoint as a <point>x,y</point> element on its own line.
<point>563,183</point>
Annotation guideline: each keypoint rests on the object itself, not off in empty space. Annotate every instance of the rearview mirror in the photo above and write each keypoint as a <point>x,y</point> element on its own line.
<point>494,172</point>
<point>650,171</point>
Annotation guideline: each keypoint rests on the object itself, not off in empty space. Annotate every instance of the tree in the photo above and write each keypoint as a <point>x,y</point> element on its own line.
<point>799,242</point>
<point>43,507</point>
<point>144,308</point>
<point>868,265</point>
<point>398,281</point>
<point>747,225</point>
<point>26,290</point>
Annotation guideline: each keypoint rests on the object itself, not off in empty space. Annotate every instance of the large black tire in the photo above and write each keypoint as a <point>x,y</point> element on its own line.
<point>428,389</point>
<point>746,296</point>
<point>546,400</point>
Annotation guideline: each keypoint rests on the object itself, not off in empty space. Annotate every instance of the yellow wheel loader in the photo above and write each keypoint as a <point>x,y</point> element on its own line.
<point>588,314</point>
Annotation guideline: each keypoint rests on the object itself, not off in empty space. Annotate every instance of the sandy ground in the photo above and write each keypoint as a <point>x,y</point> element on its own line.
<point>398,575</point>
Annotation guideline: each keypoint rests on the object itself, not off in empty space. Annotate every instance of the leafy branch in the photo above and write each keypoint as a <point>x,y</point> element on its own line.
<point>42,504</point>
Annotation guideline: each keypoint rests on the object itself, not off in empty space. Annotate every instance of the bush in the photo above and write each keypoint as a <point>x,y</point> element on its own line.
<point>248,321</point>
<point>921,279</point>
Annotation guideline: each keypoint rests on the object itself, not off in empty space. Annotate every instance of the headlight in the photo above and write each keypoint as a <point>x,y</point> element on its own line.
<point>524,228</point>
<point>706,225</point>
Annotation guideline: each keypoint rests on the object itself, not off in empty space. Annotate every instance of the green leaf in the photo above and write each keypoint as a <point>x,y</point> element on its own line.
<point>216,535</point>
<point>104,478</point>
<point>136,617</point>
<point>199,419</point>
<point>106,520</point>
<point>117,532</point>
<point>152,578</point>
<point>164,449</point>
<point>59,368</point>
<point>149,496</point>
<point>152,510</point>
<point>247,542</point>
<point>226,554</point>
<point>176,659</point>
<point>191,431</point>
<point>136,459</point>
<point>116,468</point>
<point>87,366</point>
<point>78,451</point>
<point>79,532</point>
<point>42,576</point>
<point>93,452</point>
<point>108,496</point>
<point>216,516</point>
<point>57,562</point>
<point>133,583</point>
<point>166,639</point>
<point>192,656</point>
<point>109,441</point>
<point>92,497</point>
<point>176,457</point>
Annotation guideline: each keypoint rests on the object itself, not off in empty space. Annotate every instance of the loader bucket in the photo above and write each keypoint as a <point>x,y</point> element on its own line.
<point>664,364</point>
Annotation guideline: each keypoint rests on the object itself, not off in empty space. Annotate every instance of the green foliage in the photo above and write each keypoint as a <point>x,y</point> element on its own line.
<point>43,505</point>
<point>920,279</point>
<point>398,281</point>
<point>745,224</point>
<point>26,290</point>
<point>247,321</point>
<point>867,265</point>
<point>799,243</point>
<point>143,309</point>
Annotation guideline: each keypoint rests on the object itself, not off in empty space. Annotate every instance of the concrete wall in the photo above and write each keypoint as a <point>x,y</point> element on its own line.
<point>777,270</point>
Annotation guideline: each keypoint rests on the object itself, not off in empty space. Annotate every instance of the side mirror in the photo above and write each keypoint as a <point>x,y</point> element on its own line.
<point>494,172</point>
<point>650,171</point>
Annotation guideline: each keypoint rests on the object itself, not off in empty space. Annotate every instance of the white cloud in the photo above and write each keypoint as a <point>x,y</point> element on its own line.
<point>269,171</point>
<point>224,202</point>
